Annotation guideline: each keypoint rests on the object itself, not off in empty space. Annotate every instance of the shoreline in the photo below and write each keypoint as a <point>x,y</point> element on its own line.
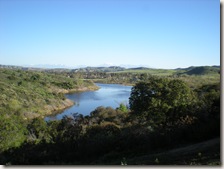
<point>60,105</point>
<point>124,84</point>
<point>57,109</point>
<point>82,89</point>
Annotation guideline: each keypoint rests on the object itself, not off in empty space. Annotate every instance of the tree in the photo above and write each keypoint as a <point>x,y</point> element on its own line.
<point>182,101</point>
<point>123,108</point>
<point>160,100</point>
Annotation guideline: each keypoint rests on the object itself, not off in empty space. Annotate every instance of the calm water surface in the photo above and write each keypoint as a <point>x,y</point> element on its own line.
<point>108,95</point>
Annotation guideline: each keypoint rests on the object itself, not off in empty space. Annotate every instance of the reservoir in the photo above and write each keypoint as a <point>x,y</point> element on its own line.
<point>85,102</point>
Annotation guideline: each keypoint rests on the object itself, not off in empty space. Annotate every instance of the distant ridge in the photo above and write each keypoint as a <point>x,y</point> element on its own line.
<point>100,69</point>
<point>187,69</point>
<point>192,70</point>
<point>139,68</point>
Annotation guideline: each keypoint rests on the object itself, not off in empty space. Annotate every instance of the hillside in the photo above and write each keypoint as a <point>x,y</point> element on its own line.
<point>202,70</point>
<point>31,94</point>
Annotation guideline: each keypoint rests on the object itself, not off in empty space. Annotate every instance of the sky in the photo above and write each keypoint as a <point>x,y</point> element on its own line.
<point>154,33</point>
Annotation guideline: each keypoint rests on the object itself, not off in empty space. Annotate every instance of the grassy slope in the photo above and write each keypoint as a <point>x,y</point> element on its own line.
<point>203,70</point>
<point>195,81</point>
<point>31,94</point>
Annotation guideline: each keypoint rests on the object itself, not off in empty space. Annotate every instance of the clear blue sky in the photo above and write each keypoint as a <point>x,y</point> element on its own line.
<point>157,33</point>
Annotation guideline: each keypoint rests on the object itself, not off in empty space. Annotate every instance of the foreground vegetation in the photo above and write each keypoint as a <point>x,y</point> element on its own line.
<point>169,118</point>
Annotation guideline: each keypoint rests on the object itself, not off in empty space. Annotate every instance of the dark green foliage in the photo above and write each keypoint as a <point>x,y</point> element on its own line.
<point>35,77</point>
<point>65,85</point>
<point>209,102</point>
<point>161,100</point>
<point>20,83</point>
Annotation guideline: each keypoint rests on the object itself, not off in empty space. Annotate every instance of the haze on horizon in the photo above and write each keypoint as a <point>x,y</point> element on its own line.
<point>158,34</point>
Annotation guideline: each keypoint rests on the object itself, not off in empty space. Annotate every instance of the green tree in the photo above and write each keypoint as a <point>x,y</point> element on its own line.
<point>122,108</point>
<point>160,100</point>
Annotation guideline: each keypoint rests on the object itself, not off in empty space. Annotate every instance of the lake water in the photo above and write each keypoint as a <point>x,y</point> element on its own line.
<point>85,102</point>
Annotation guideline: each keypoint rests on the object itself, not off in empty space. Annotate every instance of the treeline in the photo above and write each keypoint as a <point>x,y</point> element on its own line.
<point>130,78</point>
<point>164,113</point>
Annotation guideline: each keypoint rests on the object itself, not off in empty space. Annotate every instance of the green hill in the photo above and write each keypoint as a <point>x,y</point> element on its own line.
<point>203,70</point>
